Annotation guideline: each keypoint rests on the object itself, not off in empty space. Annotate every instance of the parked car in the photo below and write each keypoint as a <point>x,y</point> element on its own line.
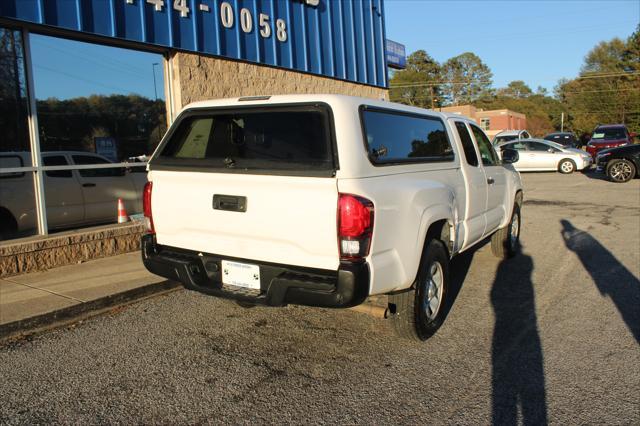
<point>566,139</point>
<point>509,135</point>
<point>609,136</point>
<point>542,155</point>
<point>620,164</point>
<point>73,197</point>
<point>324,200</point>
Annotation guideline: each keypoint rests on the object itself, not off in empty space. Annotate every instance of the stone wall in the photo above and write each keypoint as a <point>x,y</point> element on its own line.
<point>41,253</point>
<point>197,78</point>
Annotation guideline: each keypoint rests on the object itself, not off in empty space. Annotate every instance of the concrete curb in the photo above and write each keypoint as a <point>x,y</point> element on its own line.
<point>61,317</point>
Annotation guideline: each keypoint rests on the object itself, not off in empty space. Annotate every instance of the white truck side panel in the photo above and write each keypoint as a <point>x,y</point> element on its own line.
<point>406,204</point>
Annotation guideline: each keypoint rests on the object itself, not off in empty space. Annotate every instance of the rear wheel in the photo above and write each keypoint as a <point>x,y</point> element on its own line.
<point>8,225</point>
<point>621,170</point>
<point>417,314</point>
<point>505,241</point>
<point>566,166</point>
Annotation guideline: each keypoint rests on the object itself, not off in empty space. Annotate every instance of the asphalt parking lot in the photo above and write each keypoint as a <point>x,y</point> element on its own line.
<point>552,335</point>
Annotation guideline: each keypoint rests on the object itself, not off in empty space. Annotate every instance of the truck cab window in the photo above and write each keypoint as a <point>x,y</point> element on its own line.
<point>56,160</point>
<point>488,155</point>
<point>467,144</point>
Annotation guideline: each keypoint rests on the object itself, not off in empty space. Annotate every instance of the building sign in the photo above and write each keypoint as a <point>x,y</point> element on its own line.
<point>107,148</point>
<point>334,38</point>
<point>396,56</point>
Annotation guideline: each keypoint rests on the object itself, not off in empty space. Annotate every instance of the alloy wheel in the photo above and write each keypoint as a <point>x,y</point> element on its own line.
<point>620,172</point>
<point>434,290</point>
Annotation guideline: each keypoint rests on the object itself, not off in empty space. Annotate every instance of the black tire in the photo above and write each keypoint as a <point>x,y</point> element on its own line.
<point>566,166</point>
<point>503,243</point>
<point>8,225</point>
<point>620,170</point>
<point>411,313</point>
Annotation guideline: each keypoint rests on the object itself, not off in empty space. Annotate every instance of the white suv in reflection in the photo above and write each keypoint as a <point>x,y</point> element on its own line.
<point>73,197</point>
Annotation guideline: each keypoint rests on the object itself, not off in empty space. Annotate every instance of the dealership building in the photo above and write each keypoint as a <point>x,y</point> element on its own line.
<point>66,159</point>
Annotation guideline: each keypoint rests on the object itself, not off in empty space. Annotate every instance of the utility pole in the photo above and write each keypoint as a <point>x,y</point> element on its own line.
<point>433,107</point>
<point>562,122</point>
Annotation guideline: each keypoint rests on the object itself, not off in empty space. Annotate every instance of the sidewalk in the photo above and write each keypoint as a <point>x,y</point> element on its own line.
<point>39,300</point>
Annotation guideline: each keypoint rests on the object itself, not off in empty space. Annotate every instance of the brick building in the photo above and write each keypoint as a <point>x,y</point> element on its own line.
<point>492,121</point>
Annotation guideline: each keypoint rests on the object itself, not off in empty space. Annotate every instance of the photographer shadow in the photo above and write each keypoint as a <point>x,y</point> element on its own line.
<point>518,383</point>
<point>611,277</point>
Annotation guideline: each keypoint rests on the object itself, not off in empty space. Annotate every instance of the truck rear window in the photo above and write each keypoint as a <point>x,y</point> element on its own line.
<point>266,139</point>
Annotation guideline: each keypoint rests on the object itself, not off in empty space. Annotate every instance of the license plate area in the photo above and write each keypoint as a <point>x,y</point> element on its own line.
<point>239,274</point>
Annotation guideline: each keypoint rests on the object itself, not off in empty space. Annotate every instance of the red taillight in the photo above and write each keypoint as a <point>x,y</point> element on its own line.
<point>146,207</point>
<point>355,225</point>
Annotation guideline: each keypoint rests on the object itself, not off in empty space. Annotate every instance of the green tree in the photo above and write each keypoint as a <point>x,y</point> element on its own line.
<point>467,79</point>
<point>608,87</point>
<point>419,83</point>
<point>516,89</point>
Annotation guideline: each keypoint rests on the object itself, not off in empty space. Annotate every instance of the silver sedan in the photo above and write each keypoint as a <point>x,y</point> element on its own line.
<point>542,155</point>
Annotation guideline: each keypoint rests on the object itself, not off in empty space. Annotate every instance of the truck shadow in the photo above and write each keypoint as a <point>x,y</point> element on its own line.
<point>611,278</point>
<point>460,265</point>
<point>518,383</point>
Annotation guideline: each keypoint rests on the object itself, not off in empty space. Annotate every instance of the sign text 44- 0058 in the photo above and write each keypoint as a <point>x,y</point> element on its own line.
<point>228,17</point>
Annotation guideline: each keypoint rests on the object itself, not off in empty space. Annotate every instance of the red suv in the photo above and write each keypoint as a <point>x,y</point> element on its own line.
<point>609,136</point>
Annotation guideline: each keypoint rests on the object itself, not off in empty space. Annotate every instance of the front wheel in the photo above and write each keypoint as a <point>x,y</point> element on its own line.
<point>505,241</point>
<point>566,166</point>
<point>417,314</point>
<point>621,170</point>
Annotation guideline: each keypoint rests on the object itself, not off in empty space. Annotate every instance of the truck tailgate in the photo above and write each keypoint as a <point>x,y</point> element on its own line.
<point>288,220</point>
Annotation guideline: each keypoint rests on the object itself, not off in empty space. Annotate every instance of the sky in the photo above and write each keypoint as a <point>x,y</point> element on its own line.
<point>538,42</point>
<point>66,69</point>
<point>535,41</point>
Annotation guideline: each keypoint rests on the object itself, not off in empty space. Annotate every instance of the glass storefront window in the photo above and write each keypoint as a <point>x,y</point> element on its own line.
<point>17,195</point>
<point>97,105</point>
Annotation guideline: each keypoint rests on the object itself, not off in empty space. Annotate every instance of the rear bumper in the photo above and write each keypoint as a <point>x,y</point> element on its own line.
<point>280,284</point>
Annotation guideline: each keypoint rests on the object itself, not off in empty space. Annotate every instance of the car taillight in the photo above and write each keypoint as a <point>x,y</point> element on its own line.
<point>355,226</point>
<point>146,207</point>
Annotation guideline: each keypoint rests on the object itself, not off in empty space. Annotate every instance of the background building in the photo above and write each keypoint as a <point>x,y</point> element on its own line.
<point>493,121</point>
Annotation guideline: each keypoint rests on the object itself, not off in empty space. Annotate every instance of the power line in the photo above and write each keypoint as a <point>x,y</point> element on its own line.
<point>436,83</point>
<point>77,77</point>
<point>103,64</point>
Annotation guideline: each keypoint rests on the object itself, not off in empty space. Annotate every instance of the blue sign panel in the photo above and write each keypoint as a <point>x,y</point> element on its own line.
<point>396,56</point>
<point>344,39</point>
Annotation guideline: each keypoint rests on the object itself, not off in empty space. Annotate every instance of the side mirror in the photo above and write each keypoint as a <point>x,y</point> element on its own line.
<point>510,156</point>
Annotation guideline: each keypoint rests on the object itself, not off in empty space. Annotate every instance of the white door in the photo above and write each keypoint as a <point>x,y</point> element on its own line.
<point>542,156</point>
<point>63,194</point>
<point>476,186</point>
<point>102,188</point>
<point>496,180</point>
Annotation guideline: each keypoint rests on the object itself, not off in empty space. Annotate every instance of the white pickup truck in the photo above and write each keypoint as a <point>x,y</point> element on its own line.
<point>324,200</point>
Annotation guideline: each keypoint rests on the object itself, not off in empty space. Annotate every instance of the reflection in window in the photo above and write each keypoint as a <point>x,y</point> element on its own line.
<point>97,99</point>
<point>537,146</point>
<point>467,144</point>
<point>13,93</point>
<point>56,160</point>
<point>90,159</point>
<point>395,137</point>
<point>488,155</point>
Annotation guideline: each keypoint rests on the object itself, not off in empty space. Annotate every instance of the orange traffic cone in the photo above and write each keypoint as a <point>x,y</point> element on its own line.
<point>122,213</point>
